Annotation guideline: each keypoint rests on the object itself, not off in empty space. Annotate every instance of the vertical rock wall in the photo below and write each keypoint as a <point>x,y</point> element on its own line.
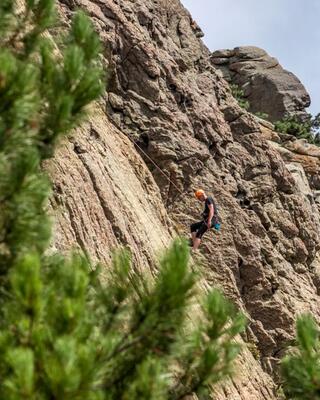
<point>165,95</point>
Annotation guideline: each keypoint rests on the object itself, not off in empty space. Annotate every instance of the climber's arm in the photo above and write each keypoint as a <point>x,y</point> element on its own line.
<point>211,214</point>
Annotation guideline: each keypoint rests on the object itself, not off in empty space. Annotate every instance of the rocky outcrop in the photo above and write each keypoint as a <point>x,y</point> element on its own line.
<point>167,97</point>
<point>267,86</point>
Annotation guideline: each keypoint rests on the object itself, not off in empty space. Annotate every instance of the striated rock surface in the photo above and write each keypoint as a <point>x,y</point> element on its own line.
<point>267,86</point>
<point>104,196</point>
<point>166,95</point>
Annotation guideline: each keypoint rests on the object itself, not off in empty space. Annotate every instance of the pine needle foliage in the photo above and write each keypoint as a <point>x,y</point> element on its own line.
<point>301,367</point>
<point>64,333</point>
<point>43,93</point>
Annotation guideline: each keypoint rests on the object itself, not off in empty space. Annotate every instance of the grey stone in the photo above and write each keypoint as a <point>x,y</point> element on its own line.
<point>268,87</point>
<point>116,101</point>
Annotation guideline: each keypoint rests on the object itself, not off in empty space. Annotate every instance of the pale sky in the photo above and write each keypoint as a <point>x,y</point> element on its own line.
<point>287,29</point>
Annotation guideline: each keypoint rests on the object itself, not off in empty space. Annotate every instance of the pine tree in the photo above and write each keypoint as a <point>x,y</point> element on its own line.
<point>301,367</point>
<point>65,334</point>
<point>42,96</point>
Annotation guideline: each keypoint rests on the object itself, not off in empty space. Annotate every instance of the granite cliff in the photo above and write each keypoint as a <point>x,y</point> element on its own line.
<point>166,95</point>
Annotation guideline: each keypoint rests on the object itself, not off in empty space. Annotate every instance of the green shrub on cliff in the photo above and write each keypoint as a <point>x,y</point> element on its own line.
<point>262,115</point>
<point>302,130</point>
<point>238,94</point>
<point>63,333</point>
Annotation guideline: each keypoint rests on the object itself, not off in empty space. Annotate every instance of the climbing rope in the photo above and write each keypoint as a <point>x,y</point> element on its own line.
<point>155,164</point>
<point>179,227</point>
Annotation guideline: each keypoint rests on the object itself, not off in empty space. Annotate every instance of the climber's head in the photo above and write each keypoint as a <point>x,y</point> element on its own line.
<point>200,195</point>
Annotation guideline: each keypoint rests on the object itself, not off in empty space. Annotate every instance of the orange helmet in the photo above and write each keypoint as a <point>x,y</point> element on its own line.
<point>199,193</point>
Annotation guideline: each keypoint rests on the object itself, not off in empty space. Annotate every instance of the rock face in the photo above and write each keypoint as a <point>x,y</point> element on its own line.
<point>166,95</point>
<point>105,196</point>
<point>267,86</point>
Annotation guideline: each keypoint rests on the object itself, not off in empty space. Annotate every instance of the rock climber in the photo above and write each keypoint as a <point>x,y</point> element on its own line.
<point>210,219</point>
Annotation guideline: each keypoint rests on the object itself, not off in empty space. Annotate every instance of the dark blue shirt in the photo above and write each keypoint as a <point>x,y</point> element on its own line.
<point>205,214</point>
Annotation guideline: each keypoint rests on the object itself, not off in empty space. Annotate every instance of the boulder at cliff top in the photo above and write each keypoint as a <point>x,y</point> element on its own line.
<point>267,86</point>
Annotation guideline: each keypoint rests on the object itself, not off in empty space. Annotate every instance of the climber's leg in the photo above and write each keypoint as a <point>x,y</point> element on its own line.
<point>196,244</point>
<point>194,229</point>
<point>200,232</point>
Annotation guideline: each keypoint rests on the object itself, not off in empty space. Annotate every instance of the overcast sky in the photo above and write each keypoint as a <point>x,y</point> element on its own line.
<point>287,29</point>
